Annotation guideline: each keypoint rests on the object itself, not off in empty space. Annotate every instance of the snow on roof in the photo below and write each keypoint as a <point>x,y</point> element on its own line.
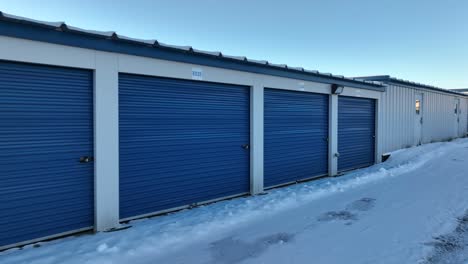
<point>107,34</point>
<point>241,58</point>
<point>147,41</point>
<point>25,19</point>
<point>259,61</point>
<point>186,48</point>
<point>213,53</point>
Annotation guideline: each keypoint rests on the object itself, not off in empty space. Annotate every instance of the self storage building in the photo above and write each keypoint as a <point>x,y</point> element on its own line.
<point>415,113</point>
<point>99,128</point>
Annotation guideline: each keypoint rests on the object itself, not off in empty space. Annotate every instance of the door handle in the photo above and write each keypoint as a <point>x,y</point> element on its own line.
<point>86,159</point>
<point>246,146</point>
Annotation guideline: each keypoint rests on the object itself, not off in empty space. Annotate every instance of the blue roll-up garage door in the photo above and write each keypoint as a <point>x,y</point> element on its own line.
<point>296,132</point>
<point>356,132</point>
<point>46,125</point>
<point>181,142</point>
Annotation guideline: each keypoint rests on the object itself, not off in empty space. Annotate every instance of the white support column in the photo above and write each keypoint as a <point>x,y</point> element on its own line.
<point>106,141</point>
<point>333,136</point>
<point>256,139</point>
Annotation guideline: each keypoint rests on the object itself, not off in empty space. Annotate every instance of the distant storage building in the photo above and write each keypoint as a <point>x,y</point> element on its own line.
<point>414,113</point>
<point>461,90</point>
<point>98,128</point>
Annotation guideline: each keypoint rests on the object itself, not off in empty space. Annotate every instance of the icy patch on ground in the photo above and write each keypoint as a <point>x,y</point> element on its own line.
<point>231,250</point>
<point>337,215</point>
<point>351,212</point>
<point>364,204</point>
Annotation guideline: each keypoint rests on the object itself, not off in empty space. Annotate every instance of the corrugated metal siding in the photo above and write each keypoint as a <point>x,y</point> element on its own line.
<point>356,132</point>
<point>296,131</point>
<point>398,117</point>
<point>180,143</point>
<point>439,118</point>
<point>46,117</point>
<point>398,122</point>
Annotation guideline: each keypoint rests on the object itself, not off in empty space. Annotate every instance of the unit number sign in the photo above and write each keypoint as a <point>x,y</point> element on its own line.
<point>197,74</point>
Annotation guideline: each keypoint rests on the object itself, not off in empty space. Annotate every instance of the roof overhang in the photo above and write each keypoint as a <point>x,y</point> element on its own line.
<point>62,34</point>
<point>392,80</point>
<point>460,90</point>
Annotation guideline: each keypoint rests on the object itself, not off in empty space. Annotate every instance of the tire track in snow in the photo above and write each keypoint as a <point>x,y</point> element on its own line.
<point>450,248</point>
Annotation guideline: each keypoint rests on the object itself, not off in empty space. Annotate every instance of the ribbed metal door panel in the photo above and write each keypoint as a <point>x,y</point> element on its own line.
<point>296,132</point>
<point>356,132</point>
<point>46,117</point>
<point>180,143</point>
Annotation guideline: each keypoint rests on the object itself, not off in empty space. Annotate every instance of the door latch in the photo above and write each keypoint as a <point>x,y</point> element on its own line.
<point>86,159</point>
<point>246,146</point>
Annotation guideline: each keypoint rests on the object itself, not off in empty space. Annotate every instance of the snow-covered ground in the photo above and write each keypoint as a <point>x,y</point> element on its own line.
<point>407,210</point>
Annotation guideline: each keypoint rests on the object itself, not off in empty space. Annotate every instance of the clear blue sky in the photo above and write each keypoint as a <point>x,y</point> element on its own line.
<point>419,40</point>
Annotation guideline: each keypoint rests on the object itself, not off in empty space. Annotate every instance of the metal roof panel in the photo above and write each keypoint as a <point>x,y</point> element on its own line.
<point>393,80</point>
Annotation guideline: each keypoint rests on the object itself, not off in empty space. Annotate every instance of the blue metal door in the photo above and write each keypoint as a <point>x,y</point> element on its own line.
<point>46,125</point>
<point>356,132</point>
<point>181,142</point>
<point>296,133</point>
